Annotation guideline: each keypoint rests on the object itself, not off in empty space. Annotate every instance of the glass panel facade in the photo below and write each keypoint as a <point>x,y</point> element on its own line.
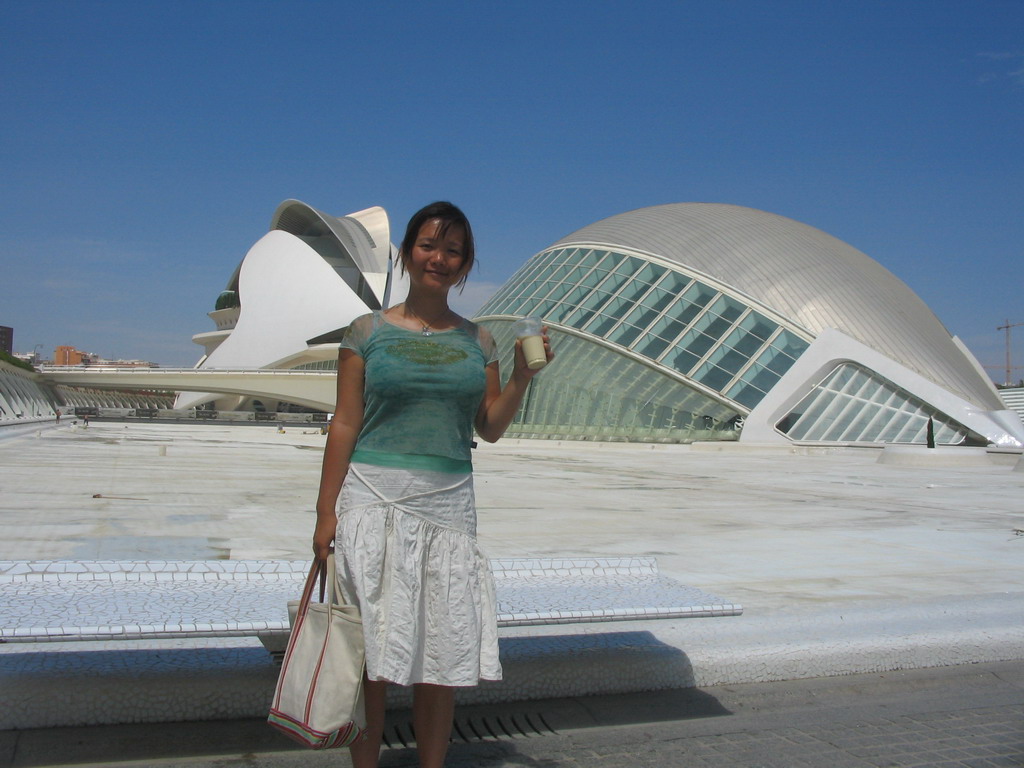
<point>854,405</point>
<point>320,365</point>
<point>678,322</point>
<point>594,393</point>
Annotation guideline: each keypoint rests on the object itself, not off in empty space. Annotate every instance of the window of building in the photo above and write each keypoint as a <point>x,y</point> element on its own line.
<point>663,314</point>
<point>853,405</point>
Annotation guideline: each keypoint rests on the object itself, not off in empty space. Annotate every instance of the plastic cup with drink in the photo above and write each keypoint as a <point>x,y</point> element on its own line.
<point>529,330</point>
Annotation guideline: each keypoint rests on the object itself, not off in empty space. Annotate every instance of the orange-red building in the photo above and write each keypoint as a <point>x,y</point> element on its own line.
<point>65,355</point>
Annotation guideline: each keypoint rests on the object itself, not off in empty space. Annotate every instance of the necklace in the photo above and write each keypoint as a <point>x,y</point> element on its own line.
<point>426,326</point>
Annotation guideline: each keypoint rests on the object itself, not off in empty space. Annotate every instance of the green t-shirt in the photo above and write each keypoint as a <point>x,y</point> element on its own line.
<point>421,393</point>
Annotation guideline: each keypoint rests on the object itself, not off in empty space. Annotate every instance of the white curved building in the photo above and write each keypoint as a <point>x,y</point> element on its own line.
<point>674,323</point>
<point>308,277</point>
<point>699,321</point>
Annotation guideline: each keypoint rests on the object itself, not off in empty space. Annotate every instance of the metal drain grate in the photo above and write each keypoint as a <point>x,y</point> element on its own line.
<point>470,730</point>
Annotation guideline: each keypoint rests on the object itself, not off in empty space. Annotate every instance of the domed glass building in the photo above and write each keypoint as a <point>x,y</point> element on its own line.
<point>699,321</point>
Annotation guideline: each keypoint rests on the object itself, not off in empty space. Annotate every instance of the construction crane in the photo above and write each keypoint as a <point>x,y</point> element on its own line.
<point>1009,368</point>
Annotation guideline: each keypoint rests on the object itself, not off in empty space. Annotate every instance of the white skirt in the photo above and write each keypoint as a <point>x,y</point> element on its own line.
<point>407,555</point>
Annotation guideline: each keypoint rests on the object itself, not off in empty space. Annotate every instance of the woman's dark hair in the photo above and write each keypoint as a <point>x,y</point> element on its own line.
<point>449,216</point>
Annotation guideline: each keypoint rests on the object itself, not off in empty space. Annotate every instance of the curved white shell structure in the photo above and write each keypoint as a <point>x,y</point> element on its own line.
<point>310,276</point>
<point>700,321</point>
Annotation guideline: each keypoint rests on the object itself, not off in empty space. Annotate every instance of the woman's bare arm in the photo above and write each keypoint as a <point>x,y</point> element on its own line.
<point>341,441</point>
<point>498,407</point>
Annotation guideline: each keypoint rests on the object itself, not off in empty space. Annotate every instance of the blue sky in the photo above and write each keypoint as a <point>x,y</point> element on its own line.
<point>145,145</point>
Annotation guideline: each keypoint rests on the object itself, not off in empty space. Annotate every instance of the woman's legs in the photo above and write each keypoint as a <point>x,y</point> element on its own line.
<point>366,751</point>
<point>433,709</point>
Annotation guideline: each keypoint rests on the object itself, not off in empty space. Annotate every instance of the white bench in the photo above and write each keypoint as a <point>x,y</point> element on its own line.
<point>60,601</point>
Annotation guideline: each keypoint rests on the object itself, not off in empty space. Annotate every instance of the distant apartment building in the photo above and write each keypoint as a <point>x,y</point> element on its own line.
<point>65,355</point>
<point>7,339</point>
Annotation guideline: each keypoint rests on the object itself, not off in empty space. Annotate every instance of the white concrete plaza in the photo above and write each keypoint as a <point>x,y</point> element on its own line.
<point>769,528</point>
<point>841,563</point>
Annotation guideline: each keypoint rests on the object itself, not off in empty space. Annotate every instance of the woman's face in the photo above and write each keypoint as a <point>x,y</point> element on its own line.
<point>436,260</point>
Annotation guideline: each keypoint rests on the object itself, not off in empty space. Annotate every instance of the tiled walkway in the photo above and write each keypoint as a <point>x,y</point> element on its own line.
<point>979,738</point>
<point>954,717</point>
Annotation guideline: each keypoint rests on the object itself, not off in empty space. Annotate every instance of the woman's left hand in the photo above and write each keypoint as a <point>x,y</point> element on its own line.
<point>499,405</point>
<point>521,369</point>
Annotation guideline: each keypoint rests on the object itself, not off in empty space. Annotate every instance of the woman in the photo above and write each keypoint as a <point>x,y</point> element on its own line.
<point>413,383</point>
